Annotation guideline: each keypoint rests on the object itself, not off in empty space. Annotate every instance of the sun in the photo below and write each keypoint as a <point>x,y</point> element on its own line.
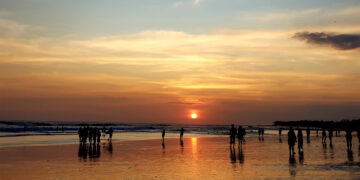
<point>194,115</point>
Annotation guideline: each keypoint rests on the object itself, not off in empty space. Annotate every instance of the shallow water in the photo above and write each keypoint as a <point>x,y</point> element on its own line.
<point>198,158</point>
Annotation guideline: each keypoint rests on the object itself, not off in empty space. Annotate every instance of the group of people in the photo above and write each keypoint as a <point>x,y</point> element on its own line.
<point>181,136</point>
<point>93,135</point>
<point>239,133</point>
<point>292,138</point>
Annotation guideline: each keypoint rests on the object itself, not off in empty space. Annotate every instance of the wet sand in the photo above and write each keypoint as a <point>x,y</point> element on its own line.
<point>198,158</point>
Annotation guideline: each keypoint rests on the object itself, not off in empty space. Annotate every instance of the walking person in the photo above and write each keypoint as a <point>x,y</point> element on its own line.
<point>300,141</point>
<point>232,134</point>
<point>110,133</point>
<point>240,135</point>
<point>163,136</point>
<point>330,135</point>
<point>323,138</point>
<point>291,140</point>
<point>181,134</point>
<point>348,139</point>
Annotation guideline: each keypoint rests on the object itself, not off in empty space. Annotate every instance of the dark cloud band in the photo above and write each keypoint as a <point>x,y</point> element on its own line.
<point>338,41</point>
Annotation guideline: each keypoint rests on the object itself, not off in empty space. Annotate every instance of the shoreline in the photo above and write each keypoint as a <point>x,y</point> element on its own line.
<point>64,139</point>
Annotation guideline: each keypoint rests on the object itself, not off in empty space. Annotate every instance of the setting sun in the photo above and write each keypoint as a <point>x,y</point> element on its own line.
<point>194,116</point>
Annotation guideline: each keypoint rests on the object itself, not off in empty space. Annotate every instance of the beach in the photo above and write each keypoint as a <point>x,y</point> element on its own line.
<point>196,158</point>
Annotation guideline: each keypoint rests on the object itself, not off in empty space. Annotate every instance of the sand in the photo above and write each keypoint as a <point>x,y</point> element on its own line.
<point>198,158</point>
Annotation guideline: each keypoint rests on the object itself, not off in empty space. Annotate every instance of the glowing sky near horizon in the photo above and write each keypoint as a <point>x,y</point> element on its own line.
<point>231,61</point>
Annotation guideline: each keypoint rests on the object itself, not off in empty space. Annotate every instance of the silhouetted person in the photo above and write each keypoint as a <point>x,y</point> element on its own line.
<point>300,140</point>
<point>291,140</point>
<point>98,134</point>
<point>330,135</point>
<point>90,134</point>
<point>348,139</point>
<point>317,132</point>
<point>240,135</point>
<point>181,134</point>
<point>259,132</point>
<point>232,134</point>
<point>110,133</point>
<point>62,128</point>
<point>163,136</point>
<point>308,135</point>
<point>323,138</point>
<point>80,133</point>
<point>262,134</point>
<point>57,128</point>
<point>25,128</point>
<point>280,129</point>
<point>95,130</point>
<point>358,135</point>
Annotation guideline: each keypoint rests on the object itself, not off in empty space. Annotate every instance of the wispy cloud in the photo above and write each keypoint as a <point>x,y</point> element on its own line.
<point>196,2</point>
<point>338,41</point>
<point>186,3</point>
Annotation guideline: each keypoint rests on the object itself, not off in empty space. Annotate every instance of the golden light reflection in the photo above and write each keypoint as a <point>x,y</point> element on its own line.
<point>194,145</point>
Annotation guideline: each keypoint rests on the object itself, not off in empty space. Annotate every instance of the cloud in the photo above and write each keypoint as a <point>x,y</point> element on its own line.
<point>186,3</point>
<point>196,2</point>
<point>338,41</point>
<point>178,4</point>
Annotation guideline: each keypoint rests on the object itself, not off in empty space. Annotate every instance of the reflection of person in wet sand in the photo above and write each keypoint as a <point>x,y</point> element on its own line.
<point>232,154</point>
<point>241,155</point>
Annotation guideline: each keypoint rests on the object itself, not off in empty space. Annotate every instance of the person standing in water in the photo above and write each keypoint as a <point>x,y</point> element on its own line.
<point>232,134</point>
<point>348,139</point>
<point>110,133</point>
<point>291,140</point>
<point>308,135</point>
<point>358,135</point>
<point>330,135</point>
<point>240,135</point>
<point>323,138</point>
<point>163,136</point>
<point>300,141</point>
<point>181,134</point>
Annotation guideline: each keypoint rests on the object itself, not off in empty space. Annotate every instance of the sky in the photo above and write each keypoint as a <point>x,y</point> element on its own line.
<point>158,61</point>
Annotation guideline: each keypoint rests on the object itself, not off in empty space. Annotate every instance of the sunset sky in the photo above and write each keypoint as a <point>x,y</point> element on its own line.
<point>156,61</point>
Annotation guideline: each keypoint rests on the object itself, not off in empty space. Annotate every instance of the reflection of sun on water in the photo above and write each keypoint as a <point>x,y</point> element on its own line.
<point>194,145</point>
